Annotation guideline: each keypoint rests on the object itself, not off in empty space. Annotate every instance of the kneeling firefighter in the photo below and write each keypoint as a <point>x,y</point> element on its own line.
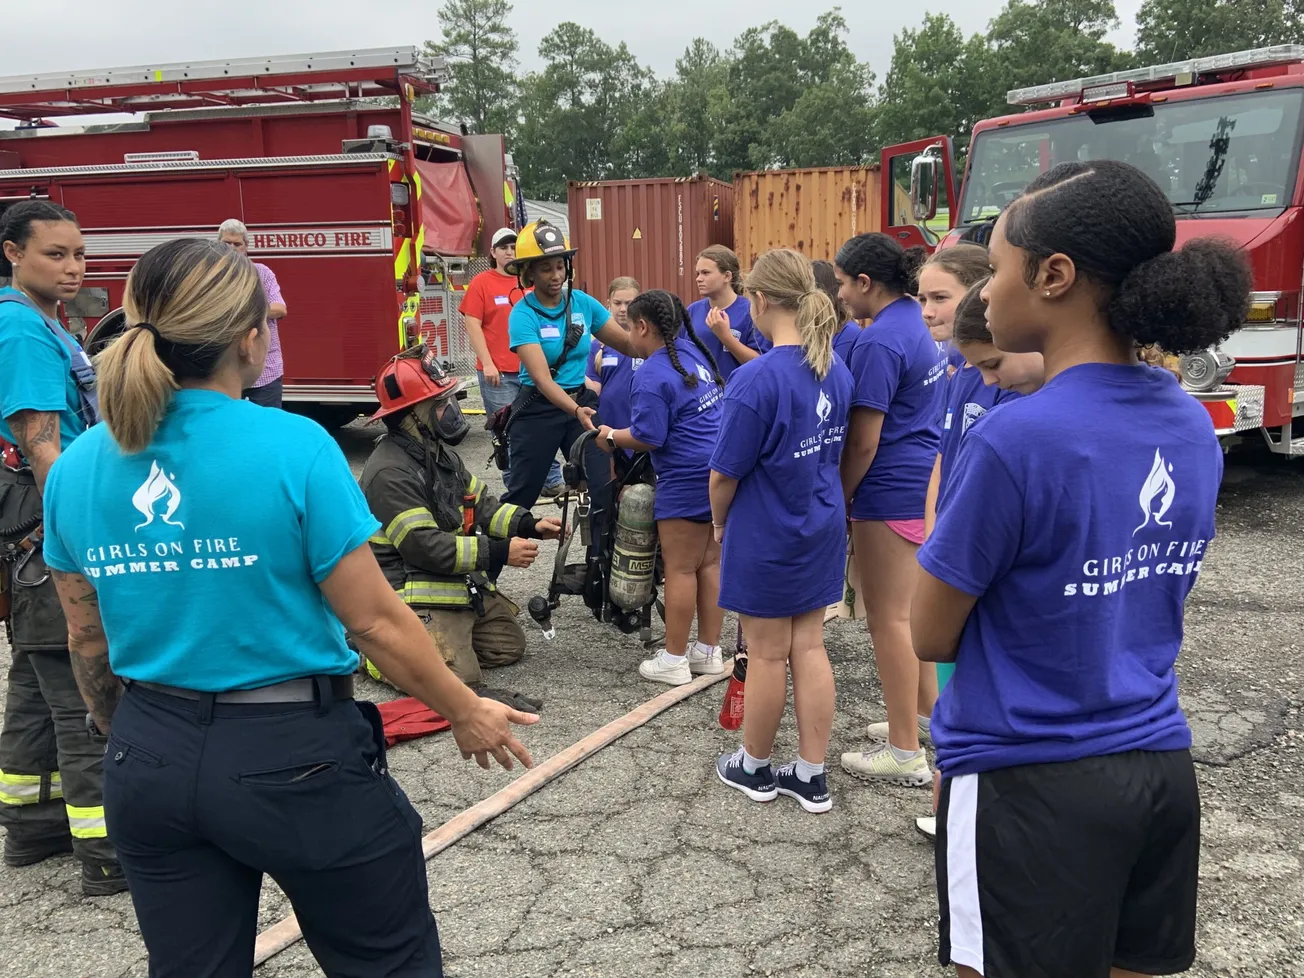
<point>444,537</point>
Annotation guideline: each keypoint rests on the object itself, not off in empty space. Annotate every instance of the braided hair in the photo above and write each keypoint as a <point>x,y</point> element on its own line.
<point>666,314</point>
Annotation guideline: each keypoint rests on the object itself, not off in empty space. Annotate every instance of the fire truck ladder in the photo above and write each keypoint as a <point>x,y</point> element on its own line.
<point>371,73</point>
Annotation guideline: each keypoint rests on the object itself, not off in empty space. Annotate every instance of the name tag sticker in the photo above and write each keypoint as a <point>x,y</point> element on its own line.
<point>549,332</point>
<point>947,426</point>
<point>502,300</point>
<point>610,361</point>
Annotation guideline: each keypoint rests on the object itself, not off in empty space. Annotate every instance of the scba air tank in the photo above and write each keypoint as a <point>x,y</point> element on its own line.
<point>634,550</point>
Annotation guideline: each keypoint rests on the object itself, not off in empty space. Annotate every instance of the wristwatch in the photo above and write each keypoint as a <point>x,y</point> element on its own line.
<point>92,728</point>
<point>611,440</point>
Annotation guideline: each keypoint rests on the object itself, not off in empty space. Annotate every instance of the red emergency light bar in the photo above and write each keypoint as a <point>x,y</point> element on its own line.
<point>370,73</point>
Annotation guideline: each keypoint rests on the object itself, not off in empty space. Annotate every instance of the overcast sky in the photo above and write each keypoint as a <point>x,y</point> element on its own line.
<point>105,33</point>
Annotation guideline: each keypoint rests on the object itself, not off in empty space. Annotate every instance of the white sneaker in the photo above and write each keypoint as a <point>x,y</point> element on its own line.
<point>877,732</point>
<point>882,765</point>
<point>705,663</point>
<point>659,670</point>
<point>927,827</point>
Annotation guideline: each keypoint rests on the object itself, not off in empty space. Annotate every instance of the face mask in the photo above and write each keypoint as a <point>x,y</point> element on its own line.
<point>452,427</point>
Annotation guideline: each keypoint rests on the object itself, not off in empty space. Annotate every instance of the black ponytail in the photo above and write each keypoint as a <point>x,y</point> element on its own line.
<point>881,259</point>
<point>16,225</point>
<point>1118,228</point>
<point>666,314</point>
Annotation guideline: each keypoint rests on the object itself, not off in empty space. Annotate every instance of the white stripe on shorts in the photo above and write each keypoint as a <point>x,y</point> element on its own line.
<point>962,873</point>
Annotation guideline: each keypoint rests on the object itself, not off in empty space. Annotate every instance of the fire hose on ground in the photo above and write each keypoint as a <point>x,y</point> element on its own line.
<point>280,936</point>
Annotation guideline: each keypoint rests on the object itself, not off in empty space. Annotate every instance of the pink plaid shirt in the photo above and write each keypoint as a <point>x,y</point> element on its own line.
<point>275,366</point>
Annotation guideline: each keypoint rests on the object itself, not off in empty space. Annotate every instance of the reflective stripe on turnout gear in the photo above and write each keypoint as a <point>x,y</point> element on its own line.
<point>25,789</point>
<point>87,823</point>
<point>476,488</point>
<point>444,594</point>
<point>501,522</point>
<point>468,555</point>
<point>407,521</point>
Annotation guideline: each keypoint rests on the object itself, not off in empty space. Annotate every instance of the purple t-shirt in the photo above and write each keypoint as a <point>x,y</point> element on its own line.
<point>968,400</point>
<point>680,423</point>
<point>274,367</point>
<point>896,367</point>
<point>740,324</point>
<point>844,339</point>
<point>785,538</point>
<point>1081,551</point>
<point>615,372</point>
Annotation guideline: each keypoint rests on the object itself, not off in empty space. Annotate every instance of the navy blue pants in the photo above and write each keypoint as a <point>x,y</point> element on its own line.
<point>203,799</point>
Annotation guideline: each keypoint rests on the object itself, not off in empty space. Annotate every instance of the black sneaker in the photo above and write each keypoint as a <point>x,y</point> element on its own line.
<point>100,881</point>
<point>812,795</point>
<point>21,851</point>
<point>757,787</point>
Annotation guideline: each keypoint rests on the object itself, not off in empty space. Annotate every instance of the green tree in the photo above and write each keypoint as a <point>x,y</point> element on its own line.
<point>577,114</point>
<point>1174,30</point>
<point>794,98</point>
<point>938,84</point>
<point>1032,43</point>
<point>696,103</point>
<point>480,47</point>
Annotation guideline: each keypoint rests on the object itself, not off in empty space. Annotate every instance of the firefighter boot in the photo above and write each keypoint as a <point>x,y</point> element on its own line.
<point>100,881</point>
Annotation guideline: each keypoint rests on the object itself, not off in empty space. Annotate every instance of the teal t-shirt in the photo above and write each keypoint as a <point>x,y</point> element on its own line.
<point>207,548</point>
<point>35,371</point>
<point>530,323</point>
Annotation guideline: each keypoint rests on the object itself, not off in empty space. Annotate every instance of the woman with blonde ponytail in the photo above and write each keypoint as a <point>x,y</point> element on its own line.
<point>211,569</point>
<point>778,509</point>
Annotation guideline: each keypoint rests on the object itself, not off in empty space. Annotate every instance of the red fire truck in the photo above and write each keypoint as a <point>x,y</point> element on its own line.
<point>369,213</point>
<point>1223,136</point>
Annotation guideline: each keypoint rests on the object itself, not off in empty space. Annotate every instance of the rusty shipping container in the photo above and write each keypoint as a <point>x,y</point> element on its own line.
<point>650,229</point>
<point>814,210</point>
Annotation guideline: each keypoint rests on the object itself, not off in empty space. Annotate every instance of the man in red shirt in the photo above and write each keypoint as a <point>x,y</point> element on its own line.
<point>485,307</point>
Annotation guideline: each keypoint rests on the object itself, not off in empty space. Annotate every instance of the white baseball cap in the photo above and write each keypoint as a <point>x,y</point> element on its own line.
<point>503,236</point>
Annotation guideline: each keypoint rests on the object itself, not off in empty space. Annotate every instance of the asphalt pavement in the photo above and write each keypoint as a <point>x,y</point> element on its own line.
<point>639,862</point>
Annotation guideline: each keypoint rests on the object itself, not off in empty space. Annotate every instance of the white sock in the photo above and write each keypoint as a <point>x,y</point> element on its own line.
<point>672,660</point>
<point>753,764</point>
<point>703,649</point>
<point>904,755</point>
<point>806,771</point>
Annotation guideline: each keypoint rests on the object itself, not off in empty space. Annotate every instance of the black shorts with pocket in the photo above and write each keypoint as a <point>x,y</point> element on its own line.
<point>1066,870</point>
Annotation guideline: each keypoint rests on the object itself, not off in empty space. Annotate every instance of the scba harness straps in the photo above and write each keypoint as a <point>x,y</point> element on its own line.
<point>82,371</point>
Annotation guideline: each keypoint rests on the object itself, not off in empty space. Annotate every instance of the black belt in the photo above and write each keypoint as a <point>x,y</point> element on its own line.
<point>291,691</point>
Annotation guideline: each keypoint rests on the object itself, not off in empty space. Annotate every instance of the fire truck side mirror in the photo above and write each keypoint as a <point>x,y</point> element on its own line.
<point>924,172</point>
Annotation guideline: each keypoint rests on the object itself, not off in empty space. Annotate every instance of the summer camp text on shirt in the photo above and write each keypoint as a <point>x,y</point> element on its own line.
<point>1081,552</point>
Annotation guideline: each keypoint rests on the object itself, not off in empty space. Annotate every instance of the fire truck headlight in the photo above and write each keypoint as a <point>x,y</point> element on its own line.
<point>1206,370</point>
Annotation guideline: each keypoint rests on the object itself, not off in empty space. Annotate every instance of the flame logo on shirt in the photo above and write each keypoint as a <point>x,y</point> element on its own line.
<point>705,373</point>
<point>823,408</point>
<point>1156,494</point>
<point>154,488</point>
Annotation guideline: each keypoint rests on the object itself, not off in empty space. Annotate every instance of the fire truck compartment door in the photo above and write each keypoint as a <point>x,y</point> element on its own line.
<point>449,214</point>
<point>488,168</point>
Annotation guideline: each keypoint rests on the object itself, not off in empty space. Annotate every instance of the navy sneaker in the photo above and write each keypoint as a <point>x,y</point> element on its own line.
<point>758,787</point>
<point>812,795</point>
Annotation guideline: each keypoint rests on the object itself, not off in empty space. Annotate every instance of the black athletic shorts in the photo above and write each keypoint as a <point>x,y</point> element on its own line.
<point>1066,870</point>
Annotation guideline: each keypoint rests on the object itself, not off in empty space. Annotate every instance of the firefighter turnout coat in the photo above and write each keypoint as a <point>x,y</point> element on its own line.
<point>443,536</point>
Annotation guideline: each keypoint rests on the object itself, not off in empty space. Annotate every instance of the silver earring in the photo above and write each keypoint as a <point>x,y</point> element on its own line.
<point>1048,293</point>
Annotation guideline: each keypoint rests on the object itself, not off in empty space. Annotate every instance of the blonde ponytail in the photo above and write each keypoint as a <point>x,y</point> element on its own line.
<point>187,301</point>
<point>817,321</point>
<point>787,280</point>
<point>135,388</point>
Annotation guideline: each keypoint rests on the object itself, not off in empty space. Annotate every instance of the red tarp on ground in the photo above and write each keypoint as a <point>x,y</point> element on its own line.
<point>448,209</point>
<point>408,719</point>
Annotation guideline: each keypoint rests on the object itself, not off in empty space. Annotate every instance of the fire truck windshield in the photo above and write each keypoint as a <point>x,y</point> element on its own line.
<point>1232,153</point>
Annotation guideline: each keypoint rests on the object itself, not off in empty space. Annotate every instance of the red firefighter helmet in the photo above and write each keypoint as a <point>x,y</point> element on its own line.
<point>413,376</point>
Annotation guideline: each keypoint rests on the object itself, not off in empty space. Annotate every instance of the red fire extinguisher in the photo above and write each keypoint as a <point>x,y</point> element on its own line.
<point>731,713</point>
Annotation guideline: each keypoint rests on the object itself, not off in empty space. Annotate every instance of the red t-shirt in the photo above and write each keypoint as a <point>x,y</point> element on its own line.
<point>489,299</point>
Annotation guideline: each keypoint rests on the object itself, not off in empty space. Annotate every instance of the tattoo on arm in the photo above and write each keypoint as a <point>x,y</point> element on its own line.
<point>100,688</point>
<point>37,433</point>
<point>34,430</point>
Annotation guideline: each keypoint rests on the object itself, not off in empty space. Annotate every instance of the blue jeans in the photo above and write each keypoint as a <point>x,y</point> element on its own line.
<point>504,394</point>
